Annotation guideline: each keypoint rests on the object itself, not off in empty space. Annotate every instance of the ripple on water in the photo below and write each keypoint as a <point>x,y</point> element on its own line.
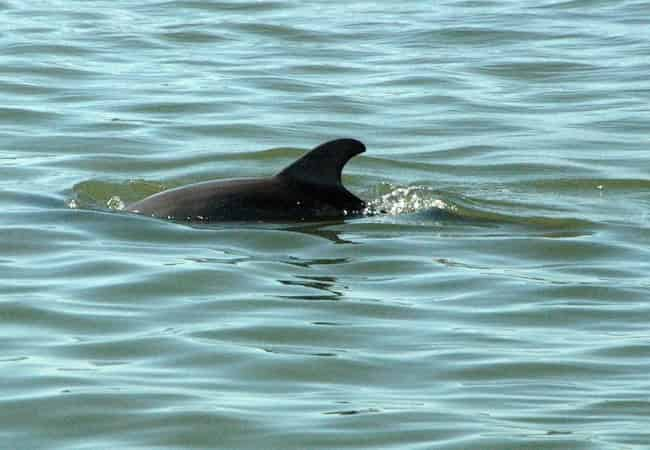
<point>496,298</point>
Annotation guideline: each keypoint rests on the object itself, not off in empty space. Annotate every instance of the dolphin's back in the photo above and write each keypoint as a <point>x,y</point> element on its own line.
<point>309,188</point>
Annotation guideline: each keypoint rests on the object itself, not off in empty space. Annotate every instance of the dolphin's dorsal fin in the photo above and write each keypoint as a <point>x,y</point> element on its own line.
<point>319,173</point>
<point>322,166</point>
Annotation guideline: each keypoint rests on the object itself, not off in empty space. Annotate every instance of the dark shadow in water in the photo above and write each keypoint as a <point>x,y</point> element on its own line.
<point>352,412</point>
<point>309,262</point>
<point>293,351</point>
<point>328,286</point>
<point>319,229</point>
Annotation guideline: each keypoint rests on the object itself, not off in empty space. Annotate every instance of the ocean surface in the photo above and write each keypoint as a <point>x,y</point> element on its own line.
<point>501,301</point>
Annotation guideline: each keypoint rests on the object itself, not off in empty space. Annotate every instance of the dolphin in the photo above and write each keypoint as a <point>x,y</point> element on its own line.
<point>309,188</point>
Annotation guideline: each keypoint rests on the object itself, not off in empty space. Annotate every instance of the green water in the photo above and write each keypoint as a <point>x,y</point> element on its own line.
<point>501,302</point>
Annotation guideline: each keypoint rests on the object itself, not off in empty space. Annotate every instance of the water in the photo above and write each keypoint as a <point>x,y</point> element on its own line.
<point>501,302</point>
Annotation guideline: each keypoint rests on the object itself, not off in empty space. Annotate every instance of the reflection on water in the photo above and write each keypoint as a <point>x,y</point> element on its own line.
<point>323,230</point>
<point>328,285</point>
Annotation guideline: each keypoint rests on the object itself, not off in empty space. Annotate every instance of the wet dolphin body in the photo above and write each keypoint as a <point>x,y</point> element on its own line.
<point>310,188</point>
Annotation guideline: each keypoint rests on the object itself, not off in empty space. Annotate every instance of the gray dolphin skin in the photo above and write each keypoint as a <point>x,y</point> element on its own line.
<point>310,188</point>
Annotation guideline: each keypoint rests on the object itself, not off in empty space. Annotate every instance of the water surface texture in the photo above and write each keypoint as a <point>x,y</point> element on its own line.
<point>501,302</point>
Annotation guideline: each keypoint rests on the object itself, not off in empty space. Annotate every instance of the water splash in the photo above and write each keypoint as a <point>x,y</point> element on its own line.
<point>410,199</point>
<point>115,203</point>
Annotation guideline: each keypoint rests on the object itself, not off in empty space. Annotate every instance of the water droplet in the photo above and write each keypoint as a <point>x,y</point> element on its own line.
<point>116,203</point>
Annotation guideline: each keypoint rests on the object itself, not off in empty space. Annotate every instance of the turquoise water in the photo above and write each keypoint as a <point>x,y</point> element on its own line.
<point>501,302</point>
